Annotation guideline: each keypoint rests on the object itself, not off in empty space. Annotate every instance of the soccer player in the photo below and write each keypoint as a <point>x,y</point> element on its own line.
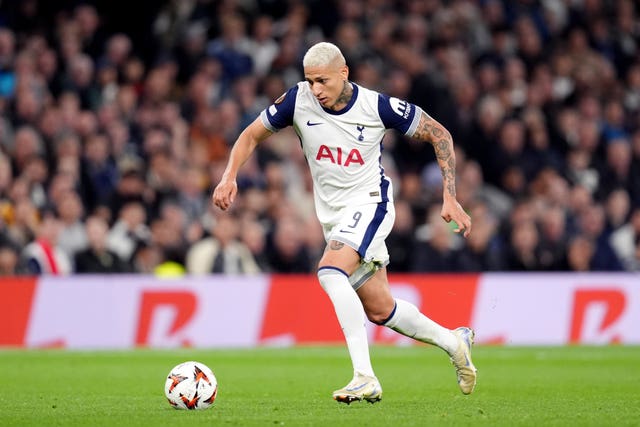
<point>341,126</point>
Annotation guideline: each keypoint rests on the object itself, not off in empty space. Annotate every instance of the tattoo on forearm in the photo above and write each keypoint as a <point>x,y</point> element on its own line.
<point>431,131</point>
<point>335,245</point>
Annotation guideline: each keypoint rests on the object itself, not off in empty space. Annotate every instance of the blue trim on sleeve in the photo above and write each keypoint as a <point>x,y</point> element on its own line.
<point>279,115</point>
<point>415,122</point>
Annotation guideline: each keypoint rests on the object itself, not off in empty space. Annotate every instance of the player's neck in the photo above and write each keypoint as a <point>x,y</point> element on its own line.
<point>345,96</point>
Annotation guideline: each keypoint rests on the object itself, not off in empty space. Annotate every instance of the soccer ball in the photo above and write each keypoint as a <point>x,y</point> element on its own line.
<point>191,385</point>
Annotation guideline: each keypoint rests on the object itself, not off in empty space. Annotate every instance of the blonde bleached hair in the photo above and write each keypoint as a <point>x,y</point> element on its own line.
<point>323,54</point>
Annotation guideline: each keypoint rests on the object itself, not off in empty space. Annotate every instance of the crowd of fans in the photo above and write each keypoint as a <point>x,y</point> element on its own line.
<point>113,133</point>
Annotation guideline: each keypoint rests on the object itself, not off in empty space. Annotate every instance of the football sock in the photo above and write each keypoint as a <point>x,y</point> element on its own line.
<point>350,314</point>
<point>407,320</point>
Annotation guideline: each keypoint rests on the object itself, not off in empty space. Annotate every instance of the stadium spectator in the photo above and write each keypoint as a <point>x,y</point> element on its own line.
<point>191,189</point>
<point>99,171</point>
<point>401,241</point>
<point>146,258</point>
<point>625,241</point>
<point>7,56</point>
<point>97,258</point>
<point>553,238</point>
<point>484,250</point>
<point>206,135</point>
<point>26,145</point>
<point>82,81</point>
<point>43,255</point>
<point>222,251</point>
<point>129,230</point>
<point>22,216</point>
<point>9,260</point>
<point>73,236</point>
<point>90,30</point>
<point>617,207</point>
<point>580,253</point>
<point>232,48</point>
<point>524,248</point>
<point>286,252</point>
<point>616,170</point>
<point>435,248</point>
<point>592,224</point>
<point>634,169</point>
<point>254,236</point>
<point>263,48</point>
<point>131,187</point>
<point>474,188</point>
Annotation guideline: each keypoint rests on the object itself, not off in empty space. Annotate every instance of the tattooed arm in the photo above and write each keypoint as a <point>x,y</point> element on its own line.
<point>429,130</point>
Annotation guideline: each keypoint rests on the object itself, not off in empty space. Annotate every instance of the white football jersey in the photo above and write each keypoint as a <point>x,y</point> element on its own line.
<point>343,148</point>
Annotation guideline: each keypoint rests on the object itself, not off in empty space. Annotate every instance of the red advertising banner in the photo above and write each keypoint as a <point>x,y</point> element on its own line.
<point>242,311</point>
<point>16,295</point>
<point>557,309</point>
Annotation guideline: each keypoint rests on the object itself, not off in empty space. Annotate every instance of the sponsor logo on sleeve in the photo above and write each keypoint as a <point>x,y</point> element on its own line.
<point>400,107</point>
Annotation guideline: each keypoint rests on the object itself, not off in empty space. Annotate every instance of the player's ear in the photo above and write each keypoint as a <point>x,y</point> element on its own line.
<point>344,72</point>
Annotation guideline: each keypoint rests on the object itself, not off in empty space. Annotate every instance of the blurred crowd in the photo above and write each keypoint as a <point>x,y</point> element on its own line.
<point>116,125</point>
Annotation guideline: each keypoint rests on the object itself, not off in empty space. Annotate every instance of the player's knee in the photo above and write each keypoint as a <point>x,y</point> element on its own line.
<point>327,275</point>
<point>329,269</point>
<point>380,316</point>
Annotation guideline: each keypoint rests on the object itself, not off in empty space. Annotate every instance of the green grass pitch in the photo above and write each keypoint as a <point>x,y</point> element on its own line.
<point>517,386</point>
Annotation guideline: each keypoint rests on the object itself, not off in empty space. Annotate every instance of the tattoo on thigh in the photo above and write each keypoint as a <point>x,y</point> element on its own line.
<point>336,245</point>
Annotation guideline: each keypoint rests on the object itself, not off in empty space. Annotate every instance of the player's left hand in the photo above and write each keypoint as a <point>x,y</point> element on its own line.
<point>452,211</point>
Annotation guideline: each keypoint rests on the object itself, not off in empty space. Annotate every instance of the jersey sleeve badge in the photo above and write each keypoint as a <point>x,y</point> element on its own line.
<point>280,99</point>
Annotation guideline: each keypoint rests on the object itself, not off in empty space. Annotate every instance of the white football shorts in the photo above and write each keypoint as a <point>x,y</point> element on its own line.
<point>364,228</point>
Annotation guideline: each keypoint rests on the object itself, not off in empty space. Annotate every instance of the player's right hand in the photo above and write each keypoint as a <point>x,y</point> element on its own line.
<point>452,211</point>
<point>224,194</point>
